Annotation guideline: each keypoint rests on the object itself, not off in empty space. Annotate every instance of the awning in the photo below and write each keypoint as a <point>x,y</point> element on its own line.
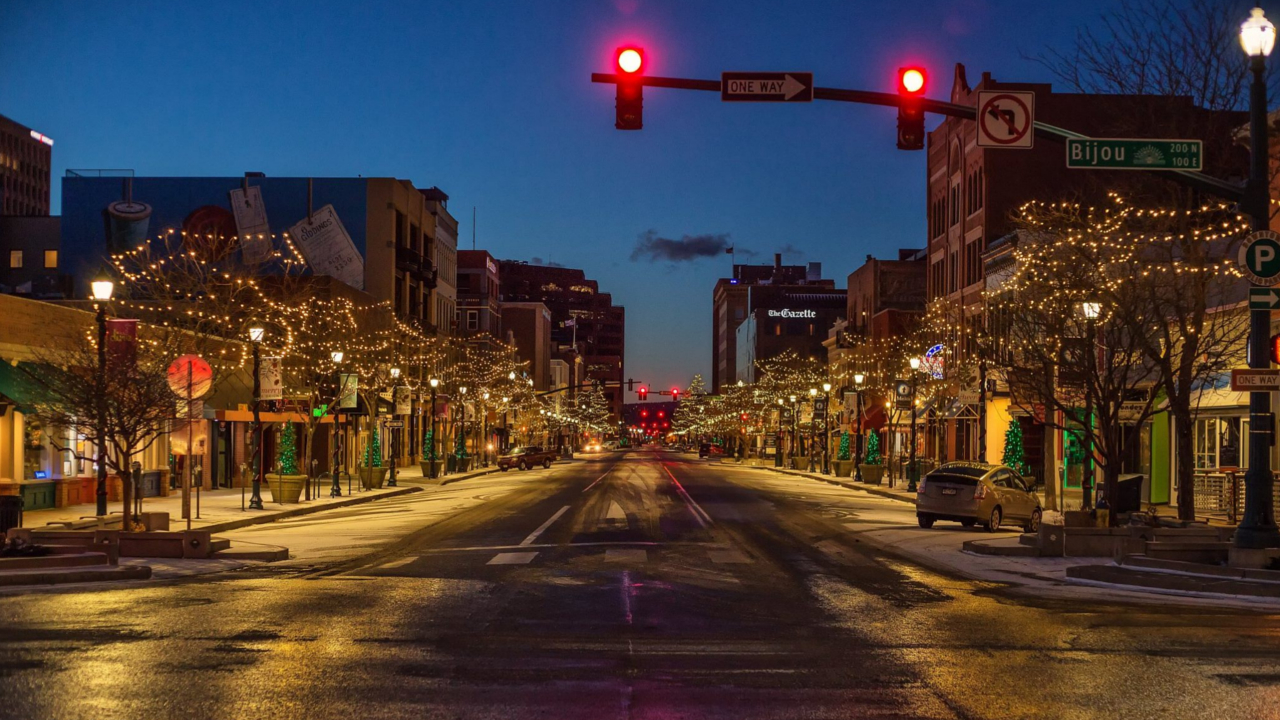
<point>17,389</point>
<point>872,417</point>
<point>959,411</point>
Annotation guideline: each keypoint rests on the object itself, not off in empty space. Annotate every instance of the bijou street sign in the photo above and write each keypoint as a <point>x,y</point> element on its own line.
<point>1134,154</point>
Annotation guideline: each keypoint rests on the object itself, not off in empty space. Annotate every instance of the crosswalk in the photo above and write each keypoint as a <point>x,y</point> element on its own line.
<point>621,556</point>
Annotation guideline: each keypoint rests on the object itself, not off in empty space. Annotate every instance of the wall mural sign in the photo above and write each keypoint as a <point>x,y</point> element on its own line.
<point>251,224</point>
<point>328,248</point>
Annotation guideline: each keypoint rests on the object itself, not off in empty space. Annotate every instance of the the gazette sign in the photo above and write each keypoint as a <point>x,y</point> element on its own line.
<point>787,313</point>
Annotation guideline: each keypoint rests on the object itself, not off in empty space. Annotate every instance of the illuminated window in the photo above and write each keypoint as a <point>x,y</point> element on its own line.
<point>582,289</point>
<point>15,258</point>
<point>51,259</point>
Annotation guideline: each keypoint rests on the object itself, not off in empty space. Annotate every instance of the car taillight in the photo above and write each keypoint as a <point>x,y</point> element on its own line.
<point>920,486</point>
<point>981,492</point>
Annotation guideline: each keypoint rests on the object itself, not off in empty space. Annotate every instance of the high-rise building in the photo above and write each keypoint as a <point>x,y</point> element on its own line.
<point>26,161</point>
<point>586,327</point>
<point>479,307</point>
<point>730,308</point>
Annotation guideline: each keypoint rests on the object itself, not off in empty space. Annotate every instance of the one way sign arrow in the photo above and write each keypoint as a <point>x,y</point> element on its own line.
<point>766,87</point>
<point>1264,299</point>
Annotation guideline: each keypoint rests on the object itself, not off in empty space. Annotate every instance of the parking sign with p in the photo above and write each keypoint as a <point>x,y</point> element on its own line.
<point>1260,257</point>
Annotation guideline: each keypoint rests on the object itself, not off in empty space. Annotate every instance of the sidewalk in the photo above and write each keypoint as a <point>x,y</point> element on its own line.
<point>226,508</point>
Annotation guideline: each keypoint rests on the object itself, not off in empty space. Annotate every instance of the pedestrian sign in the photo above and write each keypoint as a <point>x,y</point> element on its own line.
<point>1006,119</point>
<point>1260,257</point>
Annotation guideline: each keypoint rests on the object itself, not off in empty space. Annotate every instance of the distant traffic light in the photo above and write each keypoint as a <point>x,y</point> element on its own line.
<point>630,100</point>
<point>911,82</point>
<point>644,413</point>
<point>661,414</point>
<point>1275,348</point>
<point>675,394</point>
<point>643,392</point>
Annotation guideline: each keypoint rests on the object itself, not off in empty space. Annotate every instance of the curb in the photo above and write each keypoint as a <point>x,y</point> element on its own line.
<point>298,512</point>
<point>55,577</point>
<point>869,489</point>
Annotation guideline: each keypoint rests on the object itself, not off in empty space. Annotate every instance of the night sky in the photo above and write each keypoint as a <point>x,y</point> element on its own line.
<point>492,102</point>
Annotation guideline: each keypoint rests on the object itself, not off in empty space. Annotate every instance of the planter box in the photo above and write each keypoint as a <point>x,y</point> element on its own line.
<point>872,474</point>
<point>287,488</point>
<point>800,462</point>
<point>463,464</point>
<point>373,478</point>
<point>843,468</point>
<point>426,468</point>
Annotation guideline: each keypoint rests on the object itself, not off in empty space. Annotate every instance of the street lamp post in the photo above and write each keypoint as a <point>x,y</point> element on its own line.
<point>813,426</point>
<point>505,432</point>
<point>434,383</point>
<point>484,424</point>
<point>826,429</point>
<point>462,429</point>
<point>395,435</point>
<point>777,451</point>
<point>912,472</point>
<point>857,451</point>
<point>1090,310</point>
<point>256,334</point>
<point>795,419</point>
<point>103,287</point>
<point>336,489</point>
<point>1258,524</point>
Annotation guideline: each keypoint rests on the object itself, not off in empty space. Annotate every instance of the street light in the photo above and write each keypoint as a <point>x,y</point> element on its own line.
<point>813,425</point>
<point>434,383</point>
<point>1257,527</point>
<point>102,287</point>
<point>462,430</point>
<point>826,431</point>
<point>256,334</point>
<point>1090,311</point>
<point>395,434</point>
<point>912,471</point>
<point>858,379</point>
<point>484,424</point>
<point>777,440</point>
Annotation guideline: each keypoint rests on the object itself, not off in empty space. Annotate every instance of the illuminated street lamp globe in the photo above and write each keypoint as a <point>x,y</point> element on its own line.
<point>826,387</point>
<point>858,378</point>
<point>256,334</point>
<point>1257,35</point>
<point>336,356</point>
<point>915,363</point>
<point>434,382</point>
<point>103,286</point>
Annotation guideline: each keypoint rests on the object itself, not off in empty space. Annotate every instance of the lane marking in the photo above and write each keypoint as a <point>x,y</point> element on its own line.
<point>397,563</point>
<point>516,558</point>
<point>729,556</point>
<point>698,513</point>
<point>534,535</point>
<point>569,546</point>
<point>615,512</point>
<point>638,555</point>
<point>597,480</point>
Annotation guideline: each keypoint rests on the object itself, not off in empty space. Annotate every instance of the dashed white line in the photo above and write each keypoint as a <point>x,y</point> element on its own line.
<point>516,558</point>
<point>543,528</point>
<point>597,480</point>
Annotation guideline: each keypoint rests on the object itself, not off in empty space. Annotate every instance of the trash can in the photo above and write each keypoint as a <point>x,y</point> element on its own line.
<point>1128,494</point>
<point>10,512</point>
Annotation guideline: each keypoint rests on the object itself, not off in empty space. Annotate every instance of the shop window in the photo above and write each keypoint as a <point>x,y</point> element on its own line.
<point>15,259</point>
<point>50,259</point>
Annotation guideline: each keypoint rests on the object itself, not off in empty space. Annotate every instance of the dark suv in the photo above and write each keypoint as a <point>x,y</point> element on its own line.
<point>524,457</point>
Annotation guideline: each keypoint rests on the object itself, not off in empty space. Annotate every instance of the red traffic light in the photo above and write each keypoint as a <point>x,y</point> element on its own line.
<point>675,393</point>
<point>630,60</point>
<point>644,413</point>
<point>643,393</point>
<point>1275,348</point>
<point>911,80</point>
<point>661,414</point>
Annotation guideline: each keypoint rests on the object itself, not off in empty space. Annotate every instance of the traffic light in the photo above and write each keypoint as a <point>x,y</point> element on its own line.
<point>1275,348</point>
<point>631,384</point>
<point>643,392</point>
<point>644,413</point>
<point>911,82</point>
<point>661,414</point>
<point>675,394</point>
<point>630,102</point>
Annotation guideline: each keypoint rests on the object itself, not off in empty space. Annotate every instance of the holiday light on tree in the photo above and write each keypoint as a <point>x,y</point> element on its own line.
<point>843,452</point>
<point>373,451</point>
<point>873,448</point>
<point>1014,454</point>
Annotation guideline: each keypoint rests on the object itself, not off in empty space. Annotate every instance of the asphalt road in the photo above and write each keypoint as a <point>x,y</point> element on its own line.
<point>637,585</point>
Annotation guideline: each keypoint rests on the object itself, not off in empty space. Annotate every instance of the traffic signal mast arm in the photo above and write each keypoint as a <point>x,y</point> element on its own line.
<point>1199,181</point>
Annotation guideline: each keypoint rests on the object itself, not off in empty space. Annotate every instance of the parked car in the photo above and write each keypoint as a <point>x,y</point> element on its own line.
<point>709,450</point>
<point>525,457</point>
<point>977,493</point>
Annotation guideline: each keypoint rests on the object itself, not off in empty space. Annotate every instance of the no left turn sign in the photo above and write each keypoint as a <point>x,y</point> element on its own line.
<point>1005,119</point>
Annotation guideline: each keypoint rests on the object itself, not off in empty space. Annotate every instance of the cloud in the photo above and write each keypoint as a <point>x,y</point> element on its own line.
<point>791,250</point>
<point>651,247</point>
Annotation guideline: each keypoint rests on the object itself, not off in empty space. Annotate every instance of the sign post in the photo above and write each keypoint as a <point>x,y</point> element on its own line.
<point>1135,154</point>
<point>766,87</point>
<point>1005,119</point>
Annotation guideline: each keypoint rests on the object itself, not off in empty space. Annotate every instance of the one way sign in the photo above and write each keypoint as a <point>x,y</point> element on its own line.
<point>1264,299</point>
<point>766,87</point>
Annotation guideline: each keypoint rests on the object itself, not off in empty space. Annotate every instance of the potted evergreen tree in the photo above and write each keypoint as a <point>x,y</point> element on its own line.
<point>286,484</point>
<point>843,463</point>
<point>872,467</point>
<point>430,456</point>
<point>372,474</point>
<point>462,459</point>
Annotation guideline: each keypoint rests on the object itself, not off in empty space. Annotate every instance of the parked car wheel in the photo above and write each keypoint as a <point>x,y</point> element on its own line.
<point>969,523</point>
<point>1033,524</point>
<point>926,521</point>
<point>993,522</point>
<point>503,468</point>
<point>524,465</point>
<point>546,463</point>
